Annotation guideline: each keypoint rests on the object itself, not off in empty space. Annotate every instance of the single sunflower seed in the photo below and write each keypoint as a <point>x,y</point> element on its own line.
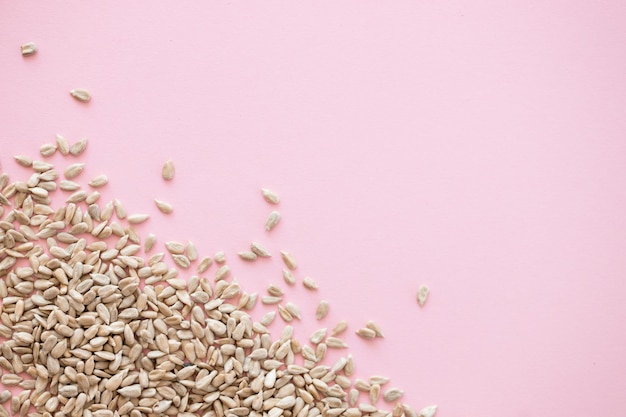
<point>28,49</point>
<point>80,94</point>
<point>163,206</point>
<point>138,218</point>
<point>272,220</point>
<point>98,181</point>
<point>270,196</point>
<point>422,295</point>
<point>309,283</point>
<point>322,310</point>
<point>73,170</point>
<point>168,170</point>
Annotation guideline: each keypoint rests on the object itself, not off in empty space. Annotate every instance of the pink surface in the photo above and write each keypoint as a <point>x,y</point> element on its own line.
<point>478,147</point>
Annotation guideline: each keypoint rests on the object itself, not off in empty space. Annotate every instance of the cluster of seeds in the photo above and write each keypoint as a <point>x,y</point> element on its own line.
<point>90,326</point>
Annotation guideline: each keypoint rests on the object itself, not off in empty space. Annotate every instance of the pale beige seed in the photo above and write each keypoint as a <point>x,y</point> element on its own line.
<point>288,259</point>
<point>428,411</point>
<point>258,249</point>
<point>28,49</point>
<point>23,160</point>
<point>5,396</point>
<point>150,241</point>
<point>322,310</point>
<point>378,379</point>
<point>62,145</point>
<point>293,310</point>
<point>268,318</point>
<point>204,264</point>
<point>275,290</point>
<point>222,273</point>
<point>336,343</point>
<point>77,197</point>
<point>192,252</point>
<point>138,218</point>
<point>270,196</point>
<point>377,329</point>
<point>366,333</point>
<point>182,261</point>
<point>374,393</point>
<point>269,300</point>
<point>163,206</point>
<point>66,185</point>
<point>73,170</point>
<point>362,385</point>
<point>47,150</point>
<point>168,170</point>
<point>99,181</point>
<point>284,314</point>
<point>349,368</point>
<point>247,255</point>
<point>272,220</point>
<point>219,257</point>
<point>174,247</point>
<point>79,147</point>
<point>339,328</point>
<point>288,277</point>
<point>409,411</point>
<point>309,283</point>
<point>422,295</point>
<point>392,394</point>
<point>81,94</point>
<point>318,336</point>
<point>353,398</point>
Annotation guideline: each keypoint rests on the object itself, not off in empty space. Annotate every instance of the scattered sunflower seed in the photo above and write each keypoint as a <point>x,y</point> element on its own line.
<point>392,394</point>
<point>62,145</point>
<point>257,248</point>
<point>366,333</point>
<point>73,170</point>
<point>99,181</point>
<point>309,283</point>
<point>163,206</point>
<point>288,260</point>
<point>270,196</point>
<point>168,170</point>
<point>138,218</point>
<point>429,411</point>
<point>47,150</point>
<point>79,147</point>
<point>322,310</point>
<point>247,255</point>
<point>422,295</point>
<point>288,277</point>
<point>80,94</point>
<point>28,49</point>
<point>376,328</point>
<point>272,220</point>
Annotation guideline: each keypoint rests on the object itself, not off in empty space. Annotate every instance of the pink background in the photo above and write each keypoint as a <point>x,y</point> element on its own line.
<point>478,147</point>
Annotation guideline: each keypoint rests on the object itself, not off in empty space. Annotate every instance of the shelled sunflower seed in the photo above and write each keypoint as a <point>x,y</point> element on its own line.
<point>92,326</point>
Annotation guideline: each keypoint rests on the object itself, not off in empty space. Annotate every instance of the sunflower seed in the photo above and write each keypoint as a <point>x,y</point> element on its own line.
<point>268,299</point>
<point>289,260</point>
<point>422,295</point>
<point>409,411</point>
<point>73,170</point>
<point>62,145</point>
<point>376,328</point>
<point>80,94</point>
<point>309,283</point>
<point>138,218</point>
<point>374,393</point>
<point>318,336</point>
<point>366,333</point>
<point>23,160</point>
<point>204,264</point>
<point>270,196</point>
<point>219,257</point>
<point>268,318</point>
<point>257,248</point>
<point>163,206</point>
<point>293,310</point>
<point>339,328</point>
<point>68,185</point>
<point>28,49</point>
<point>247,255</point>
<point>168,170</point>
<point>150,241</point>
<point>47,150</point>
<point>272,220</point>
<point>429,411</point>
<point>288,277</point>
<point>336,343</point>
<point>392,394</point>
<point>99,181</point>
<point>322,310</point>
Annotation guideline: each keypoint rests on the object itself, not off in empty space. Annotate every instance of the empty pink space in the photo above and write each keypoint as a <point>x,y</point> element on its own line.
<point>477,147</point>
